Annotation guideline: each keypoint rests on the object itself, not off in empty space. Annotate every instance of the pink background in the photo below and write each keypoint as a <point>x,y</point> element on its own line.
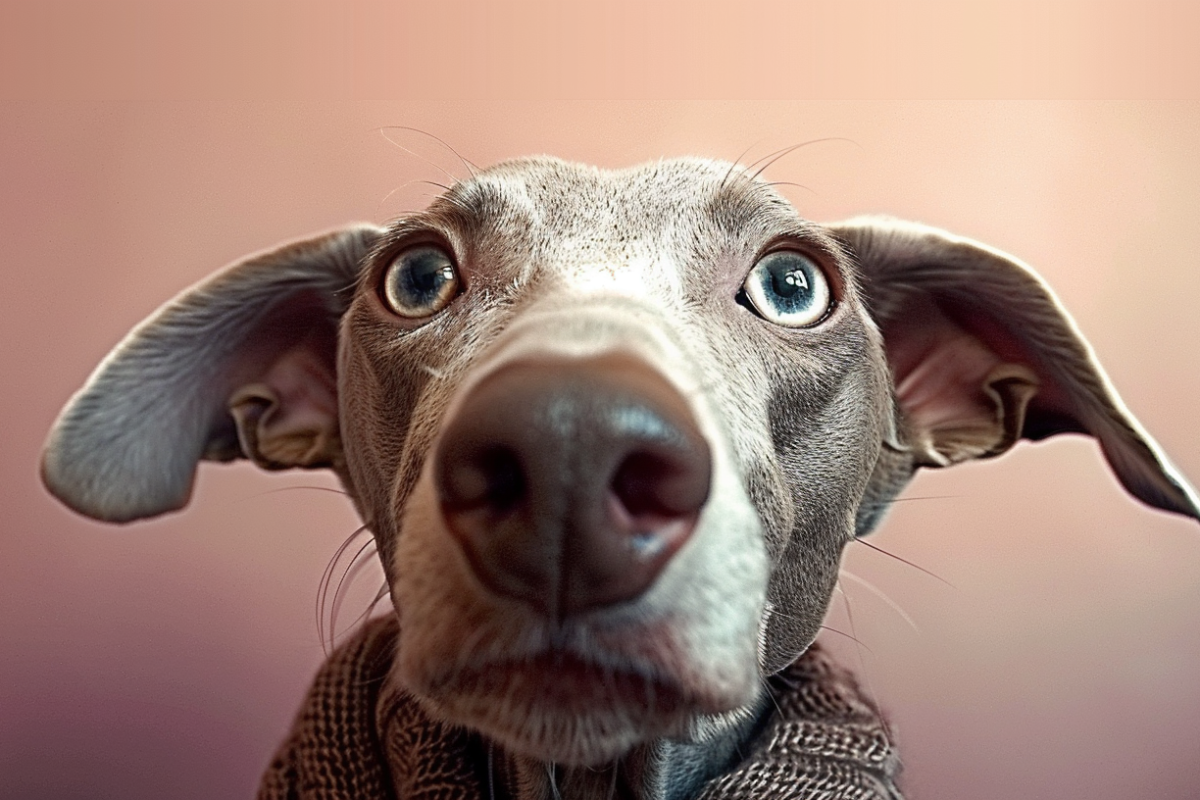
<point>165,659</point>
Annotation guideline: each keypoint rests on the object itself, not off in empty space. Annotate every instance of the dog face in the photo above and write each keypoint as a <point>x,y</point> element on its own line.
<point>637,279</point>
<point>611,430</point>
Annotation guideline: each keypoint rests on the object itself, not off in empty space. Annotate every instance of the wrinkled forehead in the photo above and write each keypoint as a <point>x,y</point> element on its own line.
<point>688,210</point>
<point>647,198</point>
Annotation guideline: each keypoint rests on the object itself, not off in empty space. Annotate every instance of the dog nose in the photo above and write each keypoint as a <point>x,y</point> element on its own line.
<point>570,484</point>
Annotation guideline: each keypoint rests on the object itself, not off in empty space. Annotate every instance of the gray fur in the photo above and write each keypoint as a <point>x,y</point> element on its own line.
<point>811,438</point>
<point>127,445</point>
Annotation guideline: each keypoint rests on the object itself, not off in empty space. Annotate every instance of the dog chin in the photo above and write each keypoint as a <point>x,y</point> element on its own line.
<point>587,742</point>
<point>558,708</point>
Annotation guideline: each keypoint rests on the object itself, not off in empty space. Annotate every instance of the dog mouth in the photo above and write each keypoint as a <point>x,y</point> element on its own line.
<point>562,682</point>
<point>560,705</point>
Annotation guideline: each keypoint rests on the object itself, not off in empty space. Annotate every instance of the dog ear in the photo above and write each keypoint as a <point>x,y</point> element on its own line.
<point>983,354</point>
<point>242,364</point>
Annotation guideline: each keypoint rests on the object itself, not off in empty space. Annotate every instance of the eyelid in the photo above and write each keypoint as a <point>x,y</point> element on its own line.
<point>417,232</point>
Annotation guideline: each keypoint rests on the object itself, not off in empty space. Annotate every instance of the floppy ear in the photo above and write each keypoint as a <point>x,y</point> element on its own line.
<point>241,364</point>
<point>983,354</point>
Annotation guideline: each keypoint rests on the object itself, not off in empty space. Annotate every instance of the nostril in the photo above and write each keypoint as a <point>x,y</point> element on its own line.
<point>657,486</point>
<point>635,482</point>
<point>503,477</point>
<point>491,477</point>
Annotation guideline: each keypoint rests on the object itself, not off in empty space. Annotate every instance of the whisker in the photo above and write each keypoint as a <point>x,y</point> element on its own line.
<point>862,662</point>
<point>909,499</point>
<point>917,567</point>
<point>737,163</point>
<point>808,189</point>
<point>472,169</point>
<point>383,592</point>
<point>771,158</point>
<point>418,156</point>
<point>347,578</point>
<point>435,184</point>
<point>850,618</point>
<point>875,590</point>
<point>323,584</point>
<point>329,619</point>
<point>388,196</point>
<point>849,636</point>
<point>441,194</point>
<point>771,694</point>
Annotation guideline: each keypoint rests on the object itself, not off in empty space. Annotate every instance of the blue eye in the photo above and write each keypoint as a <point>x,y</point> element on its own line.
<point>788,289</point>
<point>420,282</point>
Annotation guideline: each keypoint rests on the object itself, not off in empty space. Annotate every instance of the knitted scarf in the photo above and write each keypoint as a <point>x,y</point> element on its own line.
<point>358,736</point>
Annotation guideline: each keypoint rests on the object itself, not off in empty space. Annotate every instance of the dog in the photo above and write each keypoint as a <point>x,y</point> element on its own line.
<point>611,431</point>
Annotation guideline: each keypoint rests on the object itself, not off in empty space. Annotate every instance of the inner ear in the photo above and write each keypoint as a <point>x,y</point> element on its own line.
<point>982,353</point>
<point>288,417</point>
<point>960,398</point>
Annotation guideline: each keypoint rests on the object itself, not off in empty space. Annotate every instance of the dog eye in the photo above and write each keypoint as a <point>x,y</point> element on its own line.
<point>420,282</point>
<point>788,289</point>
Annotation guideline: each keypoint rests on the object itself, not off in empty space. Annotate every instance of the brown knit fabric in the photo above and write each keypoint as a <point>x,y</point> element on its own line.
<point>360,737</point>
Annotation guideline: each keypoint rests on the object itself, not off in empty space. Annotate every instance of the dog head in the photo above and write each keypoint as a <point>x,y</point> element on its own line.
<point>610,429</point>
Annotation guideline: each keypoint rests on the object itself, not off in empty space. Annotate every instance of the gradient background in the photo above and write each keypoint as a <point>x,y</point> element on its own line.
<point>165,659</point>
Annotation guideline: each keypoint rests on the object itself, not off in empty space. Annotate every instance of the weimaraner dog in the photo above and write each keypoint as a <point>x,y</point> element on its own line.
<point>611,431</point>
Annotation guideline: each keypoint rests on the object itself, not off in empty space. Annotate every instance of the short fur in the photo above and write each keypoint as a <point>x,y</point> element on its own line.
<point>938,350</point>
